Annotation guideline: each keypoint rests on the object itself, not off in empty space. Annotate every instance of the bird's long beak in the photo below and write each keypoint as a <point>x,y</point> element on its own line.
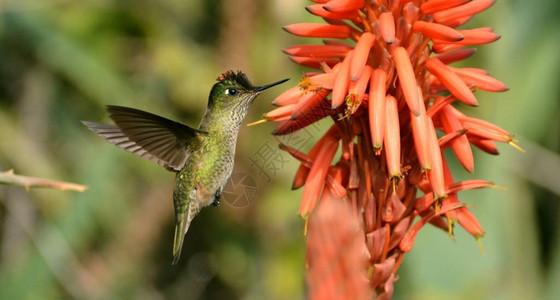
<point>264,87</point>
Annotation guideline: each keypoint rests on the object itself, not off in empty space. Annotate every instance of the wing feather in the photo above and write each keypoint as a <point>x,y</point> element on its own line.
<point>165,142</point>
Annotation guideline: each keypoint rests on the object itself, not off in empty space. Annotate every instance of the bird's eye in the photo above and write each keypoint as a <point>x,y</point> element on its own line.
<point>231,92</point>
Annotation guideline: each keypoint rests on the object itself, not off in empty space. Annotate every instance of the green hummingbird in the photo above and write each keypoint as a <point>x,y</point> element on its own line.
<point>202,158</point>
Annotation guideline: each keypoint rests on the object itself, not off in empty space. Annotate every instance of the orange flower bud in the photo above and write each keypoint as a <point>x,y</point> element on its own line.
<point>392,139</point>
<point>421,137</point>
<point>479,36</point>
<point>317,176</point>
<point>342,82</point>
<point>361,54</point>
<point>290,96</point>
<point>343,5</point>
<point>436,172</point>
<point>460,144</point>
<point>387,27</point>
<point>457,55</point>
<point>320,11</point>
<point>407,79</point>
<point>319,30</point>
<point>314,62</point>
<point>434,6</point>
<point>329,51</point>
<point>377,102</point>
<point>451,81</point>
<point>465,10</point>
<point>480,80</point>
<point>437,31</point>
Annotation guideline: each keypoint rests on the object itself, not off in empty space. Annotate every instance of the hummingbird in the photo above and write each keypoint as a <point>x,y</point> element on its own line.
<point>201,158</point>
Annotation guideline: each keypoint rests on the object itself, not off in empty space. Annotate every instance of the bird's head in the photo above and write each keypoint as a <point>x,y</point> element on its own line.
<point>234,91</point>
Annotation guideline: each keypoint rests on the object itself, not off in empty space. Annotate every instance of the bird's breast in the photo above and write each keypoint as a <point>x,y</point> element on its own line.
<point>210,167</point>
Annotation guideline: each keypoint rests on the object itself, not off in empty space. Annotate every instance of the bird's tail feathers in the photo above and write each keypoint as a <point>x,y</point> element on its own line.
<point>181,226</point>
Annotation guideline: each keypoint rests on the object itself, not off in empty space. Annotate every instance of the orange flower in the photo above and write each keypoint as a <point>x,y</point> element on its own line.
<point>392,138</point>
<point>319,30</point>
<point>387,27</point>
<point>361,54</point>
<point>394,98</point>
<point>437,31</point>
<point>377,108</point>
<point>407,79</point>
<point>317,176</point>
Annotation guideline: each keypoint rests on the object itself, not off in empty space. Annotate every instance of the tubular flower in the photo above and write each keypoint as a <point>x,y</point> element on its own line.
<point>384,78</point>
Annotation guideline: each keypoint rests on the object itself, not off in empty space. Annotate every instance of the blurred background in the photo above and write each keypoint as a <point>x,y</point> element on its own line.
<point>62,61</point>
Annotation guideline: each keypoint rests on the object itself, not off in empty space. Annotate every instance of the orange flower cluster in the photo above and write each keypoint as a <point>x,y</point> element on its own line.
<point>395,101</point>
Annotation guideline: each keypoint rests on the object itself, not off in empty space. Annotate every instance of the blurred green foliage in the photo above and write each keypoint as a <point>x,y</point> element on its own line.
<point>62,61</point>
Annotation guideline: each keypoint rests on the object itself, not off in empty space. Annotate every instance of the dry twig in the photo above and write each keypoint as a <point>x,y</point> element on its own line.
<point>8,177</point>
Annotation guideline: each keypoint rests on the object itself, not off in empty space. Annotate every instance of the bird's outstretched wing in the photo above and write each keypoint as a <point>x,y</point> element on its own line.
<point>165,142</point>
